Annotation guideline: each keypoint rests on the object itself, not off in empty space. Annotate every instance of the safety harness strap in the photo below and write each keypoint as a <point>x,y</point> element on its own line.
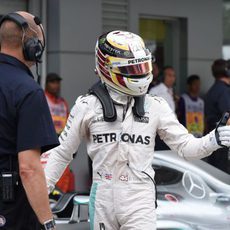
<point>138,108</point>
<point>109,110</point>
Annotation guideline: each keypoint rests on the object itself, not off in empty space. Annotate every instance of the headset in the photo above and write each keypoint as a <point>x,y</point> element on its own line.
<point>221,67</point>
<point>32,47</point>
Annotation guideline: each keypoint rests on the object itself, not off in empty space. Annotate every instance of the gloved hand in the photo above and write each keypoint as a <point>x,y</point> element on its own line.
<point>223,137</point>
<point>222,131</point>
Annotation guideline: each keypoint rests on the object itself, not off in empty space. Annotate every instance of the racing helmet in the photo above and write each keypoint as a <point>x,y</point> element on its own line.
<point>123,62</point>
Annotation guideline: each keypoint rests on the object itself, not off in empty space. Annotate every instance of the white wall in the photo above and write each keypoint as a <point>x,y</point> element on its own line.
<point>11,6</point>
<point>79,25</point>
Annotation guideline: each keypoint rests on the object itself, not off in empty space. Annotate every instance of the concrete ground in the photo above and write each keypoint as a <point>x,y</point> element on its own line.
<point>80,226</point>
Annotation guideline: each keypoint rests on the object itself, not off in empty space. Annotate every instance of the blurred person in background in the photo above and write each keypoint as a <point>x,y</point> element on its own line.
<point>165,88</point>
<point>57,104</point>
<point>59,112</point>
<point>166,91</point>
<point>217,101</point>
<point>190,110</point>
<point>155,73</point>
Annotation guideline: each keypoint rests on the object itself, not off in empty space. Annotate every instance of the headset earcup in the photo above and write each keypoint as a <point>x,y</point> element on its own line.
<point>32,50</point>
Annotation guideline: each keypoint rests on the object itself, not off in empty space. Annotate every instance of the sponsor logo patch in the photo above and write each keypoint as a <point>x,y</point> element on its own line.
<point>124,178</point>
<point>108,176</point>
<point>139,60</point>
<point>124,137</point>
<point>98,119</point>
<point>141,119</point>
<point>111,49</point>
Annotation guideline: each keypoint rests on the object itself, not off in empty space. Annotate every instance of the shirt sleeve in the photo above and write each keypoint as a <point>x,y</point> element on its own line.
<point>35,128</point>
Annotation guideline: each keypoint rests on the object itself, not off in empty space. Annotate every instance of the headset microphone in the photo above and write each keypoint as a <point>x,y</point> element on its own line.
<point>37,20</point>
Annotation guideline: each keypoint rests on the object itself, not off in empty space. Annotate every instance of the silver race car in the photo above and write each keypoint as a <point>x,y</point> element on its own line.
<point>195,194</point>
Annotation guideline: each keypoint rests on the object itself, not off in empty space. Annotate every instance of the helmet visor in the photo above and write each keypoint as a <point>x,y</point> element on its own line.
<point>132,67</point>
<point>133,70</point>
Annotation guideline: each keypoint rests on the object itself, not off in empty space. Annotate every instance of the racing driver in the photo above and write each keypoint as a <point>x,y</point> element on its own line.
<point>119,122</point>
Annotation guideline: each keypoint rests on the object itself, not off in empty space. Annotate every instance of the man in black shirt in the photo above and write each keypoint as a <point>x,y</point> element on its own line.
<point>26,127</point>
<point>217,101</point>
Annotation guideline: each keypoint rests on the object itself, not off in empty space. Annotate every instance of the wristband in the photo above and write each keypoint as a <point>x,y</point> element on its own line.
<point>48,225</point>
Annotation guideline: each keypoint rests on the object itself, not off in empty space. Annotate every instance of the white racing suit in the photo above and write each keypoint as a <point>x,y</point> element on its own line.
<point>123,194</point>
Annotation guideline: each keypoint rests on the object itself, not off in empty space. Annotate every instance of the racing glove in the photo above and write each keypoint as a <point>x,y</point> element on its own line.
<point>222,131</point>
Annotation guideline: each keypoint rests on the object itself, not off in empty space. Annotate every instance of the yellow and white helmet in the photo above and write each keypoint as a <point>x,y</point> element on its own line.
<point>123,62</point>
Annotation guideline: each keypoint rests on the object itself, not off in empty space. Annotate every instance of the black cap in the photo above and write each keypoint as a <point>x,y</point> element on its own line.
<point>53,77</point>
